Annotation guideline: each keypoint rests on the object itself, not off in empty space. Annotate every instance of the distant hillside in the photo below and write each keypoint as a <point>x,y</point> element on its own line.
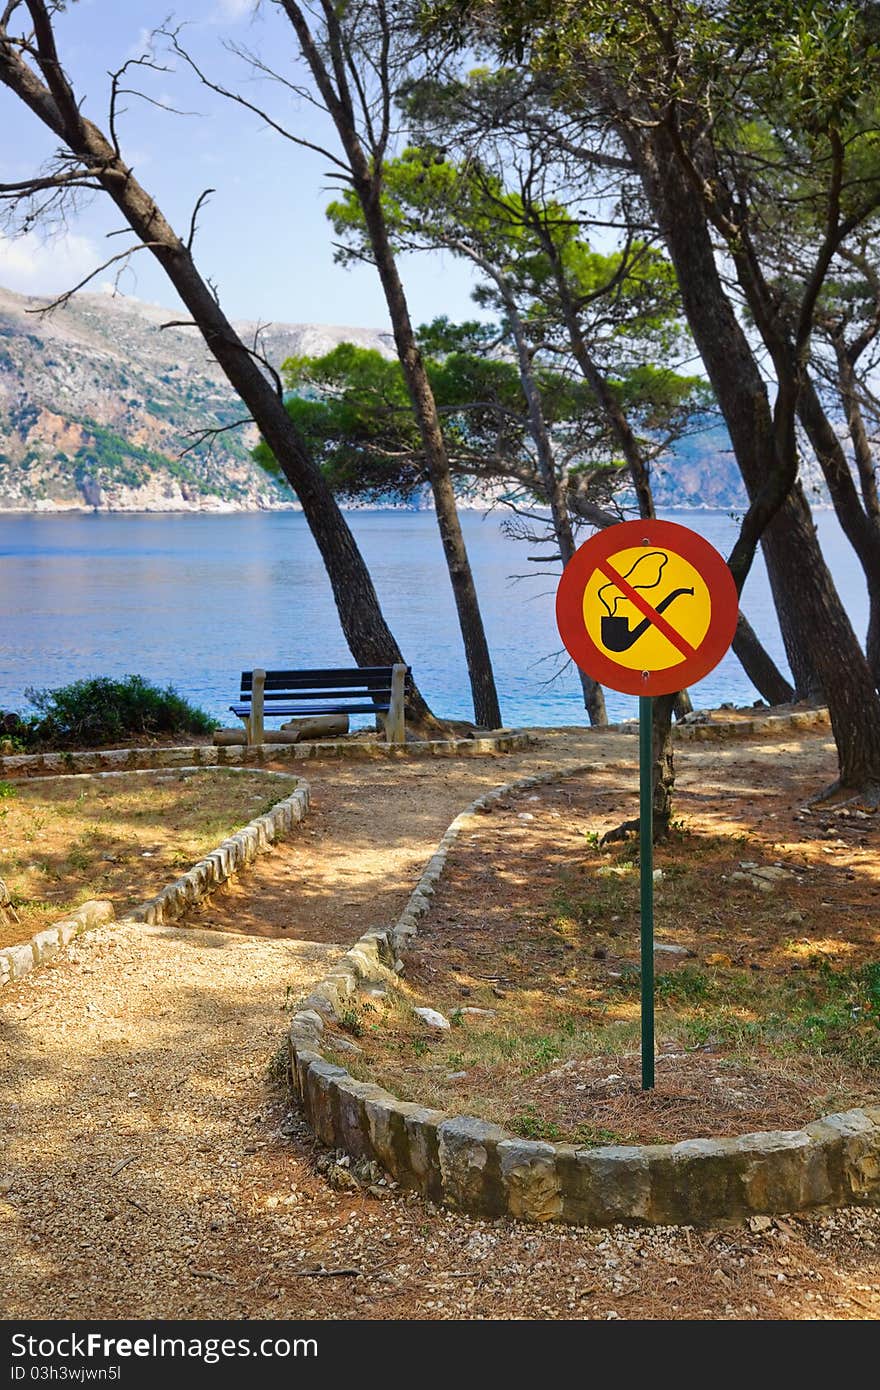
<point>98,401</point>
<point>700,472</point>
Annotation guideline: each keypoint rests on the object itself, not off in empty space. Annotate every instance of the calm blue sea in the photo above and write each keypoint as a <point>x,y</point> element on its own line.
<point>192,600</point>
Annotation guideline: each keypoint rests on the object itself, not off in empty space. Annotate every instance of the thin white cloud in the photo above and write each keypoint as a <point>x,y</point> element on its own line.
<point>235,9</point>
<point>142,46</point>
<point>30,265</point>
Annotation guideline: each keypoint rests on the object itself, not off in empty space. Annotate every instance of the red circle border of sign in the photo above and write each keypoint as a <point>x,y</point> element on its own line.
<point>691,547</point>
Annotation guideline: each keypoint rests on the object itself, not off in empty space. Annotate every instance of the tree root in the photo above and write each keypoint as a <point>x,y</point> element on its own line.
<point>625,831</point>
<point>629,829</point>
<point>867,798</point>
<point>435,728</point>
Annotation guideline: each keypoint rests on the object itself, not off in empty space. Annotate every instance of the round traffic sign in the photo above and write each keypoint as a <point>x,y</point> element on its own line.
<point>647,607</point>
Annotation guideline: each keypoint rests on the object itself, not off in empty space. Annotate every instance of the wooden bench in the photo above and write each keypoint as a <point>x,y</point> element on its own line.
<point>359,690</point>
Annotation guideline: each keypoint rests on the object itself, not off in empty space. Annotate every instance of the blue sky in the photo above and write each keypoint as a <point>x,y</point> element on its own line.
<point>263,238</point>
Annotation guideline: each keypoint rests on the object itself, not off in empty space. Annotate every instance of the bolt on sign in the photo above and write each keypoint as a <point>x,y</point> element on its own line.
<point>647,607</point>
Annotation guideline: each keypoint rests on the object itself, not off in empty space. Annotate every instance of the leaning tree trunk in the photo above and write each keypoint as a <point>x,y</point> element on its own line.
<point>824,653</point>
<point>662,763</point>
<point>741,393</point>
<point>759,666</point>
<point>368,635</point>
<point>860,521</point>
<point>554,485</point>
<point>333,67</point>
<point>487,711</point>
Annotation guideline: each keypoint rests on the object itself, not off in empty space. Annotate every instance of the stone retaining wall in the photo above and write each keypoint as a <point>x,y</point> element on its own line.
<point>17,765</point>
<point>481,1169</point>
<point>230,856</point>
<point>816,718</point>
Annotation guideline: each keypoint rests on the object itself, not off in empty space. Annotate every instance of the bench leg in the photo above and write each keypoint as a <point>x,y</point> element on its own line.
<point>394,720</point>
<point>255,721</point>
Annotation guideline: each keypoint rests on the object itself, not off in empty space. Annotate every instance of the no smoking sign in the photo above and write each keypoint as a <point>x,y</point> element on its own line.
<point>647,607</point>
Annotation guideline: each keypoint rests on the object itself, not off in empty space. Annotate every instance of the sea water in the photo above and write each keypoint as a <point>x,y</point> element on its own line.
<point>192,600</point>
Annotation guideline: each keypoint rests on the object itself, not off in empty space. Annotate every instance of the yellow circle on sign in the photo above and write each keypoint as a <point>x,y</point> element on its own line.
<point>669,585</point>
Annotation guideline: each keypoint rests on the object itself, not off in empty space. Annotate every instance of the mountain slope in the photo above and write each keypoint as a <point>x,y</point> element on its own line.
<point>98,403</point>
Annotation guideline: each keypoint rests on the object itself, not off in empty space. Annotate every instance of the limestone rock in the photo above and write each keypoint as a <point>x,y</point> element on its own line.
<point>531,1178</point>
<point>432,1019</point>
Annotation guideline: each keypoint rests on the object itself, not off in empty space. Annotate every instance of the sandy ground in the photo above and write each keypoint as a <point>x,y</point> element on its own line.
<point>149,1166</point>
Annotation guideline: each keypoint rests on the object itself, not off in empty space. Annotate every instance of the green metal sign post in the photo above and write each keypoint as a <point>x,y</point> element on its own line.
<point>646,874</point>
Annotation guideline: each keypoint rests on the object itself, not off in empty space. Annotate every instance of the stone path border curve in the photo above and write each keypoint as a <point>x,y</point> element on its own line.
<point>478,1168</point>
<point>174,899</point>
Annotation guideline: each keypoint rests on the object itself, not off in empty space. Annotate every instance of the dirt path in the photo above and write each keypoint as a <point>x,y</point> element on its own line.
<point>371,827</point>
<point>147,1168</point>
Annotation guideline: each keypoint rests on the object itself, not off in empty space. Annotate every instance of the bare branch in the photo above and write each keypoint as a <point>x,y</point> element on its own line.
<point>144,61</point>
<point>56,181</point>
<point>172,36</point>
<point>64,298</point>
<point>192,224</point>
<point>199,436</point>
<point>260,357</point>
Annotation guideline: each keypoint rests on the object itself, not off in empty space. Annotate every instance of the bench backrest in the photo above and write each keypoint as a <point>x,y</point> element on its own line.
<point>323,683</point>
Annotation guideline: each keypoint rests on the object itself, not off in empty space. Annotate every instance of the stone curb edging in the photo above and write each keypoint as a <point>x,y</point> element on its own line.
<point>214,869</point>
<point>817,718</point>
<point>19,960</point>
<point>22,765</point>
<point>207,755</point>
<point>479,1168</point>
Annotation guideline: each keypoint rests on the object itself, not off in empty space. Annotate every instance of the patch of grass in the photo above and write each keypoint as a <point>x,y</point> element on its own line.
<point>574,909</point>
<point>683,986</point>
<point>122,839</point>
<point>593,1136</point>
<point>830,1013</point>
<point>545,1051</point>
<point>350,1020</point>
<point>7,790</point>
<point>530,1125</point>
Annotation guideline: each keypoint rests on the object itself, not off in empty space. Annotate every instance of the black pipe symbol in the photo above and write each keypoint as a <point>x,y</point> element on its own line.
<point>617,635</point>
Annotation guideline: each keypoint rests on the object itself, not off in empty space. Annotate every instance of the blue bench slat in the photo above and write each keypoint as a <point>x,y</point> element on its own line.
<point>338,695</point>
<point>337,679</point>
<point>328,693</point>
<point>371,708</point>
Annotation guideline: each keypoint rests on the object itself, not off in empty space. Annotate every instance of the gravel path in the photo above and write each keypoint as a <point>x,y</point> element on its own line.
<point>149,1167</point>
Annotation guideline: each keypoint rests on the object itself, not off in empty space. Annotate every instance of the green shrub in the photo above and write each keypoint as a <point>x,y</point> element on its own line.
<point>16,733</point>
<point>98,711</point>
